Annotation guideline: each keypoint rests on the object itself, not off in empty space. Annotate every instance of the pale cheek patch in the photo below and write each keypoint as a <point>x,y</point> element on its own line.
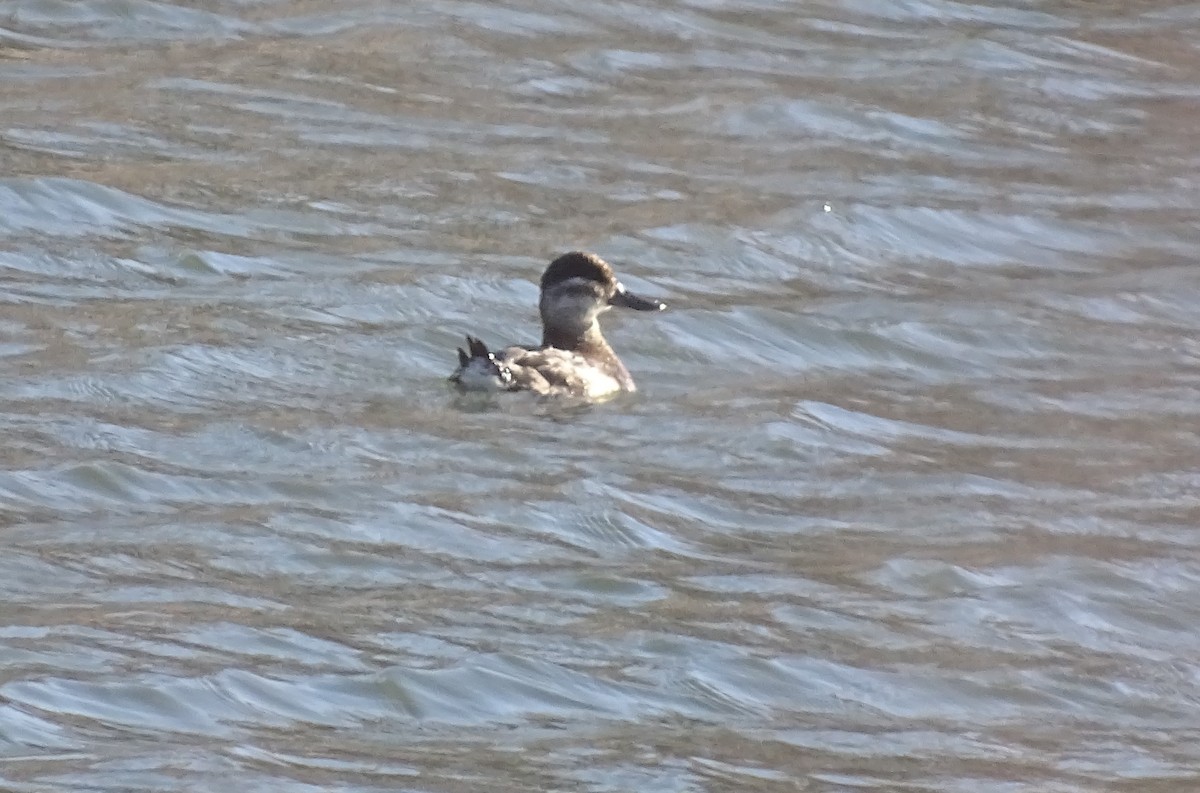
<point>572,308</point>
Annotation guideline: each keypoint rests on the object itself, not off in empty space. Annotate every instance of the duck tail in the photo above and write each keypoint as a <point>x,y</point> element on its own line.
<point>477,347</point>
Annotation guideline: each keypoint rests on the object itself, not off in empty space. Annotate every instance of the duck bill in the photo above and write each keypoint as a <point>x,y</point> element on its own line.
<point>626,299</point>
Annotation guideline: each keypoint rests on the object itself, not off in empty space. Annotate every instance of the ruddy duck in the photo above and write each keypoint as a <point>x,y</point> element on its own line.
<point>574,359</point>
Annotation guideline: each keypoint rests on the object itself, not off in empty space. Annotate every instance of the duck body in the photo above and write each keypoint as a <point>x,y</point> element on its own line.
<point>574,358</point>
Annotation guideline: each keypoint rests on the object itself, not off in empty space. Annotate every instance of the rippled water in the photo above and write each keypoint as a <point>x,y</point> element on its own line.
<point>908,499</point>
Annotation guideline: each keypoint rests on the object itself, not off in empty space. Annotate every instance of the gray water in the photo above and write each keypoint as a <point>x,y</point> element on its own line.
<point>907,501</point>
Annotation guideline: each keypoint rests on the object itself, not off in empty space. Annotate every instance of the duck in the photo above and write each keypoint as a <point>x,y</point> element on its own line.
<point>574,359</point>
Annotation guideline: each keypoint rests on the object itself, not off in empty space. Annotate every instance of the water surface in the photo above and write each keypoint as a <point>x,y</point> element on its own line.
<point>907,499</point>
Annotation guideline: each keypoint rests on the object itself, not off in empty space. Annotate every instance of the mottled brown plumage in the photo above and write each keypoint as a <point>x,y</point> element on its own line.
<point>574,358</point>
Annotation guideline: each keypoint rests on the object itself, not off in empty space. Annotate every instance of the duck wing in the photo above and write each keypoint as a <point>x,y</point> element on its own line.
<point>557,372</point>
